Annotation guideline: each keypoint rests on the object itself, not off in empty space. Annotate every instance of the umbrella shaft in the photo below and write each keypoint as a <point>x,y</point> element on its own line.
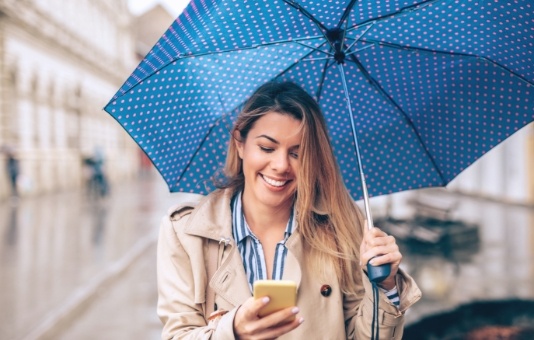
<point>357,147</point>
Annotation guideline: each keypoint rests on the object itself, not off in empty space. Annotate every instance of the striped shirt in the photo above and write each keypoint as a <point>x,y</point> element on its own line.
<point>251,249</point>
<point>392,295</point>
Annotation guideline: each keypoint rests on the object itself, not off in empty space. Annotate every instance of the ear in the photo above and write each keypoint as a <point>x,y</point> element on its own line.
<point>238,144</point>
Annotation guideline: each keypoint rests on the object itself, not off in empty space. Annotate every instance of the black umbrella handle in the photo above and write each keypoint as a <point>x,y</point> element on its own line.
<point>378,273</point>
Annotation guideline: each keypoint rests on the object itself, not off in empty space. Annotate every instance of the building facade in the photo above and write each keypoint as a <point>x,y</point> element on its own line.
<point>60,62</point>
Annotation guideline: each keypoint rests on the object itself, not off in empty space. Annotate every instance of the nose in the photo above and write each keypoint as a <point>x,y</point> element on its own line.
<point>280,162</point>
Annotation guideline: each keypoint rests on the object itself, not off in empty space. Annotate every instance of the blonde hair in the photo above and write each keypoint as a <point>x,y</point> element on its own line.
<point>328,218</point>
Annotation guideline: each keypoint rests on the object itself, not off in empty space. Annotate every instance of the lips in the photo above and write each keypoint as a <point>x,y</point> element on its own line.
<point>273,182</point>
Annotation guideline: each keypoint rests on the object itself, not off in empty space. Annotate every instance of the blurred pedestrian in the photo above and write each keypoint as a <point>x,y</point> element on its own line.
<point>13,170</point>
<point>97,183</point>
<point>99,175</point>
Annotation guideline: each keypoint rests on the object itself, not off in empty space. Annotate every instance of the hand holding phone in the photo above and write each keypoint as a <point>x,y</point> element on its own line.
<point>282,294</point>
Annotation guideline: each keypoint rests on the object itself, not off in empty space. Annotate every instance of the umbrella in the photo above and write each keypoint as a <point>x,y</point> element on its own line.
<point>420,89</point>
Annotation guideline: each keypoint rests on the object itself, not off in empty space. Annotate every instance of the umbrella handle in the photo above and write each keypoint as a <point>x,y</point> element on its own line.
<point>378,273</point>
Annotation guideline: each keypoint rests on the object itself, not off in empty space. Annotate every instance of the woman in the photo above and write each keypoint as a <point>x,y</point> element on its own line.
<point>282,212</point>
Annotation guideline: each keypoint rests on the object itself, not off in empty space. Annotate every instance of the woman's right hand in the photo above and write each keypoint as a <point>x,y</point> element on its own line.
<point>248,325</point>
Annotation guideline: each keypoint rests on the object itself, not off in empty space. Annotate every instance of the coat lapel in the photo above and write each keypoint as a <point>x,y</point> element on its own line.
<point>292,270</point>
<point>213,220</point>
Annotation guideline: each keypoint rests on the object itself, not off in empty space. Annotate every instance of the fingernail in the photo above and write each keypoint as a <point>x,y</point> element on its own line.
<point>301,320</point>
<point>295,310</point>
<point>372,262</point>
<point>265,299</point>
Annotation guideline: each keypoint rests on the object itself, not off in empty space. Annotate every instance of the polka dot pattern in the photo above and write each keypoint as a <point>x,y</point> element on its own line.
<point>434,85</point>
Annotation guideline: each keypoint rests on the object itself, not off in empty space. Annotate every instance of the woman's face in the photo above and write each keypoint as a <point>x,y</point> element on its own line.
<point>270,161</point>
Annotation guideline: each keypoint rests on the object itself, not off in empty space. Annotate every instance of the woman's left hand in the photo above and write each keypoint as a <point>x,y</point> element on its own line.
<point>380,248</point>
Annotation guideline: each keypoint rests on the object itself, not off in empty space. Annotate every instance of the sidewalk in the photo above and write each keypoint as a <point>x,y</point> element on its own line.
<point>125,309</point>
<point>61,254</point>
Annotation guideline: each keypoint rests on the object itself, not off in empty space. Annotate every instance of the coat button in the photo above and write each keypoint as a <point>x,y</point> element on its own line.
<point>326,290</point>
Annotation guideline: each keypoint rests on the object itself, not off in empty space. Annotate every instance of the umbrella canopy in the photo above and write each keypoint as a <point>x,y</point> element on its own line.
<point>434,85</point>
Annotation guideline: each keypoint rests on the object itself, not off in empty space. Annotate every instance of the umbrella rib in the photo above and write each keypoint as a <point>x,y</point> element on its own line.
<point>359,37</point>
<point>359,50</point>
<point>237,49</point>
<point>315,48</point>
<point>307,14</point>
<point>402,11</point>
<point>320,25</point>
<point>293,65</point>
<point>346,13</point>
<point>459,54</point>
<point>204,139</point>
<point>375,83</point>
<point>321,82</point>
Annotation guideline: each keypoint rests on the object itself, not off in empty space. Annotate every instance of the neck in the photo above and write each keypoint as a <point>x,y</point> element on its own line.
<point>261,218</point>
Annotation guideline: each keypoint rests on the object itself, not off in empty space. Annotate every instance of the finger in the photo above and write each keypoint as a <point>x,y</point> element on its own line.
<point>377,237</point>
<point>393,258</point>
<point>250,308</point>
<point>258,304</point>
<point>381,248</point>
<point>377,232</point>
<point>281,328</point>
<point>246,319</point>
<point>282,316</point>
<point>384,241</point>
<point>383,251</point>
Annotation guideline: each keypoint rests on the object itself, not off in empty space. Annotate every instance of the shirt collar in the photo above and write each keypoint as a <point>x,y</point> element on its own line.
<point>240,227</point>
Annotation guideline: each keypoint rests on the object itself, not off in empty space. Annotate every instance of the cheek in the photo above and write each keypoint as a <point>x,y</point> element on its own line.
<point>251,160</point>
<point>295,166</point>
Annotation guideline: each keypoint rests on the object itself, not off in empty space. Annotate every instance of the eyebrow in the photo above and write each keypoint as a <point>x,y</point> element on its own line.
<point>274,140</point>
<point>269,138</point>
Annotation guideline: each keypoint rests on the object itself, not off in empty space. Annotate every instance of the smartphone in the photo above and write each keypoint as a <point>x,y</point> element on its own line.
<point>282,294</point>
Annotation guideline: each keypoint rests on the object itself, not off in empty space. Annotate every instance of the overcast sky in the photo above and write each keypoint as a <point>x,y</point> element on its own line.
<point>173,6</point>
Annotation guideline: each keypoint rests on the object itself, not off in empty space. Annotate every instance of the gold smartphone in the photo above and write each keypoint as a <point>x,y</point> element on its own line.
<point>282,294</point>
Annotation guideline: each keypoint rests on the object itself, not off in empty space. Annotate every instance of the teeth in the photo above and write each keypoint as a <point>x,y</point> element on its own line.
<point>273,182</point>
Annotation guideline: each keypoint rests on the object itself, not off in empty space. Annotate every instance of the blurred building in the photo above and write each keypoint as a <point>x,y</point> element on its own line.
<point>148,28</point>
<point>505,173</point>
<point>60,62</point>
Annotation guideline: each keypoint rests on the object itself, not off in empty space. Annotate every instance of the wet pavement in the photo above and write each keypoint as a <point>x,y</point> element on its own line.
<point>60,252</point>
<point>76,268</point>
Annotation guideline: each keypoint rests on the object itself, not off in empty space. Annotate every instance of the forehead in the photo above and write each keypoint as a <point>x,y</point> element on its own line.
<point>282,127</point>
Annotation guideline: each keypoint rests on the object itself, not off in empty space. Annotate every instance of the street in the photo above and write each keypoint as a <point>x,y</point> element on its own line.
<point>74,267</point>
<point>69,261</point>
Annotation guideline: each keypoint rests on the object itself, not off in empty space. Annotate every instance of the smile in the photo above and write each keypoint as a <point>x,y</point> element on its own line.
<point>273,182</point>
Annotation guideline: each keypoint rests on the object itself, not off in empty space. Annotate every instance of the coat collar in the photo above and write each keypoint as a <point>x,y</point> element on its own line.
<point>212,217</point>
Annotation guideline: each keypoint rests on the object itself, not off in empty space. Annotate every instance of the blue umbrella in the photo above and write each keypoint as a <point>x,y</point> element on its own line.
<point>413,91</point>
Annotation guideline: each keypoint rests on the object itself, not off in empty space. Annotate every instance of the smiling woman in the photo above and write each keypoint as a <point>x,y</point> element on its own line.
<point>281,213</point>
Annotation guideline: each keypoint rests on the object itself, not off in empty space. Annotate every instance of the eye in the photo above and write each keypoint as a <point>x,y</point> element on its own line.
<point>294,155</point>
<point>266,149</point>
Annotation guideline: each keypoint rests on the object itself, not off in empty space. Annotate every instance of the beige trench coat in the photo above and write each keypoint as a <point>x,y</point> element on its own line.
<point>182,279</point>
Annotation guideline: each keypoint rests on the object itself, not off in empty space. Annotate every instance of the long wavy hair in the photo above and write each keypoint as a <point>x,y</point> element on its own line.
<point>328,218</point>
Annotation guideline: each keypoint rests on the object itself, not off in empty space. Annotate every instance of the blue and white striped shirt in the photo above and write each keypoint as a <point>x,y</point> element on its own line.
<point>251,249</point>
